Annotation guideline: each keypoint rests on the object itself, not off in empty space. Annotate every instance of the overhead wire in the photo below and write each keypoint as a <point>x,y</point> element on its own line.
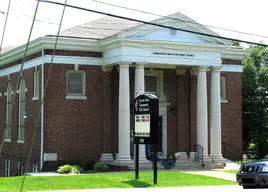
<point>44,91</point>
<point>30,16</point>
<point>20,75</point>
<point>154,24</point>
<point>4,29</point>
<point>179,19</point>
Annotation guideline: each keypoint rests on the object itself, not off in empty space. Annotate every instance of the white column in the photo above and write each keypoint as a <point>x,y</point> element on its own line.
<point>202,117</point>
<point>139,87</point>
<point>164,135</point>
<point>215,115</point>
<point>124,115</point>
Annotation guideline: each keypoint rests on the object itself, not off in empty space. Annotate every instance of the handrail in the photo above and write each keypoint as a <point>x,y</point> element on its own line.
<point>202,152</point>
<point>237,150</point>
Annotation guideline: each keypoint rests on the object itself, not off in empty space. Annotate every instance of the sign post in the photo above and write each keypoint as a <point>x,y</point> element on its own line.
<point>146,127</point>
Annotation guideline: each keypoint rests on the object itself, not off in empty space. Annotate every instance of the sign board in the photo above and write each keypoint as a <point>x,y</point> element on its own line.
<point>146,119</point>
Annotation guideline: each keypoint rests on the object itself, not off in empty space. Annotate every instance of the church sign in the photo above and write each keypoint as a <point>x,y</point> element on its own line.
<point>146,119</point>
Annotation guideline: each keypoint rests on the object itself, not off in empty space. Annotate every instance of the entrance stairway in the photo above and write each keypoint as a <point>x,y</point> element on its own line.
<point>181,164</point>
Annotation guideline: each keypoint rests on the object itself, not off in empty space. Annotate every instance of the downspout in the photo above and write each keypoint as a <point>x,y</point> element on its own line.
<point>42,114</point>
<point>177,103</point>
<point>189,111</point>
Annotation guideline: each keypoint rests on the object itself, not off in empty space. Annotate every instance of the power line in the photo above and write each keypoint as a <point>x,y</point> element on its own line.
<point>39,20</point>
<point>181,20</point>
<point>154,24</point>
<point>45,88</point>
<point>20,75</point>
<point>4,30</point>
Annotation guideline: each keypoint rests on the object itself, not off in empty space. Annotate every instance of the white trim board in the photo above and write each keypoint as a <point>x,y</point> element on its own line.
<point>57,60</point>
<point>84,61</point>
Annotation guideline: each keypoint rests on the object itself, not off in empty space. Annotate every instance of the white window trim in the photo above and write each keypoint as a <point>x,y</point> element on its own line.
<point>19,167</point>
<point>35,168</point>
<point>36,92</point>
<point>20,141</point>
<point>159,80</point>
<point>72,95</point>
<point>8,140</point>
<point>76,97</point>
<point>35,98</point>
<point>225,91</point>
<point>19,123</point>
<point>7,167</point>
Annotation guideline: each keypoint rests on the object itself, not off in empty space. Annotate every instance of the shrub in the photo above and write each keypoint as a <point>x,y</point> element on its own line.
<point>76,169</point>
<point>100,167</point>
<point>65,169</point>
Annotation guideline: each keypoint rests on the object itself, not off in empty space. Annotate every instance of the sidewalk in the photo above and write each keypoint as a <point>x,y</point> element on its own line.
<point>215,173</point>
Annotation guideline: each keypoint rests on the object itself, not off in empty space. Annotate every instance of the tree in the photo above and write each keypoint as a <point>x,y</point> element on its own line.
<point>255,94</point>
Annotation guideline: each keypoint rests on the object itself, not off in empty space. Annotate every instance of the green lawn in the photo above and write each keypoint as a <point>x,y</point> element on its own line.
<point>108,180</point>
<point>231,171</point>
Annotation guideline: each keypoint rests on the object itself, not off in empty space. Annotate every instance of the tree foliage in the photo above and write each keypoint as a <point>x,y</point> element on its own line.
<point>255,95</point>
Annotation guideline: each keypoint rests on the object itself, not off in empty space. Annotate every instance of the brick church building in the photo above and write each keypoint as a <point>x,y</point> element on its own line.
<point>98,69</point>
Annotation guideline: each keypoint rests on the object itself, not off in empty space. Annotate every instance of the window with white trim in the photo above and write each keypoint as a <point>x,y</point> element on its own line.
<point>223,88</point>
<point>153,82</point>
<point>76,83</point>
<point>35,168</point>
<point>20,168</point>
<point>8,111</point>
<point>21,131</point>
<point>36,85</point>
<point>7,167</point>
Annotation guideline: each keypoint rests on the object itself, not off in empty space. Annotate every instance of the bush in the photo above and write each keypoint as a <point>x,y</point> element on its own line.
<point>100,167</point>
<point>65,169</point>
<point>76,169</point>
<point>69,169</point>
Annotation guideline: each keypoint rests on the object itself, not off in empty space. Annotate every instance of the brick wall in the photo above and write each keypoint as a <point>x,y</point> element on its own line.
<point>74,128</point>
<point>14,151</point>
<point>232,112</point>
<point>80,130</point>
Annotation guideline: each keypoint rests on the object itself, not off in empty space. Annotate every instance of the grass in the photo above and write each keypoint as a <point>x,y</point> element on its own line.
<point>108,180</point>
<point>231,171</point>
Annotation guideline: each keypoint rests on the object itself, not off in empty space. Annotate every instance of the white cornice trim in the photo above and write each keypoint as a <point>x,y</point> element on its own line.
<point>234,53</point>
<point>99,62</point>
<point>38,44</point>
<point>232,68</point>
<point>174,45</point>
<point>57,60</point>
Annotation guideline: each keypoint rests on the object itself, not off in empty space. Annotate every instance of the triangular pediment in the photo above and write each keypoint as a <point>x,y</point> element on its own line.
<point>179,21</point>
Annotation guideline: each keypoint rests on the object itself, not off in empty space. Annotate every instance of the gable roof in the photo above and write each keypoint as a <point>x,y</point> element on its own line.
<point>108,26</point>
<point>100,28</point>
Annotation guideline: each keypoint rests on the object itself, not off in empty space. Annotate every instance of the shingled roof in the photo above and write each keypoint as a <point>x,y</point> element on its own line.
<point>100,28</point>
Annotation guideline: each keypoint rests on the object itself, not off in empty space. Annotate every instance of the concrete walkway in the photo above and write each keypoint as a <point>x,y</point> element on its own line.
<point>216,173</point>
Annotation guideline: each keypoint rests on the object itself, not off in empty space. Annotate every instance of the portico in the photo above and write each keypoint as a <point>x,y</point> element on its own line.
<point>151,52</point>
<point>201,113</point>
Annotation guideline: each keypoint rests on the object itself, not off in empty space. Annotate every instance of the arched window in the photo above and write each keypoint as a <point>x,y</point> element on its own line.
<point>8,111</point>
<point>21,111</point>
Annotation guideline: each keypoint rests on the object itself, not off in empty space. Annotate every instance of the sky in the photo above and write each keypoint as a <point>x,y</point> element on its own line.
<point>240,15</point>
